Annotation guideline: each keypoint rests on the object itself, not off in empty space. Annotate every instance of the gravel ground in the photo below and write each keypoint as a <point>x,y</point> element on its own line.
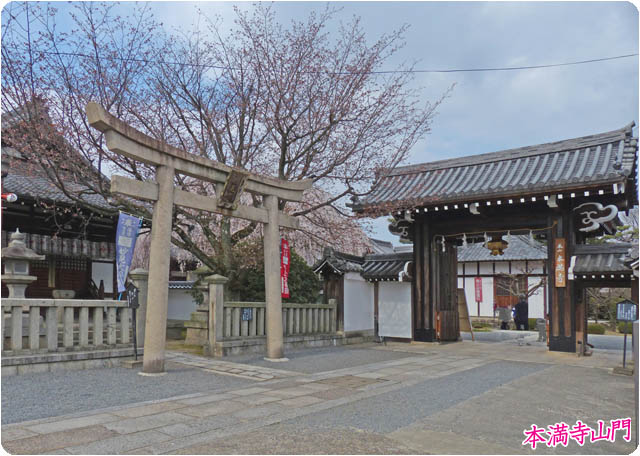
<point>599,341</point>
<point>416,402</point>
<point>33,396</point>
<point>314,360</point>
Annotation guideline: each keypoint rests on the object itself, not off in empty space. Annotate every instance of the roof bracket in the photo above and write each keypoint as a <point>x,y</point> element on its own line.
<point>552,201</point>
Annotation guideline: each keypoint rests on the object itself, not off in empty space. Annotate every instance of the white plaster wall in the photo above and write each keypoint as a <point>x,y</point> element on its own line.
<point>102,271</point>
<point>470,268</point>
<point>358,303</point>
<point>502,267</point>
<point>486,305</point>
<point>180,305</point>
<point>536,267</point>
<point>486,267</point>
<point>536,302</point>
<point>518,267</point>
<point>394,309</point>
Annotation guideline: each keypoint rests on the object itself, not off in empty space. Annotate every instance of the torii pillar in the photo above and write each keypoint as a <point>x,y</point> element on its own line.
<point>230,182</point>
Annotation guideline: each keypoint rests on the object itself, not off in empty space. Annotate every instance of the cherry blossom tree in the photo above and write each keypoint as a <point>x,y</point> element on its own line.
<point>295,102</point>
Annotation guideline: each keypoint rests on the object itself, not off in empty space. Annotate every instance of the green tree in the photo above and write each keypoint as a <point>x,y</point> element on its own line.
<point>248,284</point>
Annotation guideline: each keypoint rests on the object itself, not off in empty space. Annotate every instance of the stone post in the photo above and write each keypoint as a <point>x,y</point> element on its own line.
<point>216,310</point>
<point>275,350</point>
<point>158,293</point>
<point>140,278</point>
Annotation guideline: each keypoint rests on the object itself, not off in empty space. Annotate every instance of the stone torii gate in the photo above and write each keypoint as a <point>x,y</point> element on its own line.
<point>230,182</point>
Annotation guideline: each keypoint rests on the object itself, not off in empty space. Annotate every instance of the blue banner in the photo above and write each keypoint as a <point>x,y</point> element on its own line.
<point>126,236</point>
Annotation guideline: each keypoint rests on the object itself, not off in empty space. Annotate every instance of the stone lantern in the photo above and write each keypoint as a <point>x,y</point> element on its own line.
<point>16,257</point>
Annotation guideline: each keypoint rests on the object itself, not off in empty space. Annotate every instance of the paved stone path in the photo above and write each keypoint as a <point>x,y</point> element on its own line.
<point>458,397</point>
<point>216,366</point>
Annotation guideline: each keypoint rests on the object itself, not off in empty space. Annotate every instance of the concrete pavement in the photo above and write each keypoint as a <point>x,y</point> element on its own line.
<point>456,398</point>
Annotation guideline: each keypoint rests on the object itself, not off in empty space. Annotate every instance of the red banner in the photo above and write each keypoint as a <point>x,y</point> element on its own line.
<point>285,259</point>
<point>478,284</point>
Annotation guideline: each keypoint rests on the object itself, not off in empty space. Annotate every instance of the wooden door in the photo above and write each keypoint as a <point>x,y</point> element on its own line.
<point>446,291</point>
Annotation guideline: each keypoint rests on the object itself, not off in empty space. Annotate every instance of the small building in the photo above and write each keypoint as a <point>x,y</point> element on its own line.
<point>78,244</point>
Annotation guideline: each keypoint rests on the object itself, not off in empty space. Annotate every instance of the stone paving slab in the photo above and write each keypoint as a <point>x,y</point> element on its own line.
<point>44,443</point>
<point>200,399</point>
<point>120,443</point>
<point>72,423</point>
<point>257,399</point>
<point>213,408</point>
<point>135,412</point>
<point>199,426</point>
<point>144,423</point>
<point>257,373</point>
<point>14,434</point>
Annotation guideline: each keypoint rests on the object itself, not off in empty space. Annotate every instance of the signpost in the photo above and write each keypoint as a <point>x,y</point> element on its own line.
<point>626,311</point>
<point>478,286</point>
<point>132,301</point>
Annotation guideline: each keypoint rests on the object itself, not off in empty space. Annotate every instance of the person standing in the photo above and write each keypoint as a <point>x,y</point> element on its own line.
<point>522,313</point>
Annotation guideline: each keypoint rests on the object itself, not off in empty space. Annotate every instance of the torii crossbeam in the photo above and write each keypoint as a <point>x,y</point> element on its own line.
<point>230,182</point>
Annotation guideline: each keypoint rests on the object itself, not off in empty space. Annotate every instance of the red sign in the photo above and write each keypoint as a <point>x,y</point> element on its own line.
<point>285,259</point>
<point>478,284</point>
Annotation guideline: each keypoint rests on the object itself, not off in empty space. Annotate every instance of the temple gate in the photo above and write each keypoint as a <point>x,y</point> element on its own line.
<point>230,182</point>
<point>562,192</point>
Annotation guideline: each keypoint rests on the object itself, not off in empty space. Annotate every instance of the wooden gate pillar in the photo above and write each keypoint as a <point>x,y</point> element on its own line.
<point>273,294</point>
<point>423,323</point>
<point>155,333</point>
<point>562,315</point>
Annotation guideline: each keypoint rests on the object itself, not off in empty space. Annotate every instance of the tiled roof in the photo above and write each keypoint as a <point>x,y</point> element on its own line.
<point>600,159</point>
<point>389,265</point>
<point>381,246</point>
<point>39,187</point>
<point>606,258</point>
<point>181,284</point>
<point>338,262</point>
<point>385,266</point>
<point>520,248</point>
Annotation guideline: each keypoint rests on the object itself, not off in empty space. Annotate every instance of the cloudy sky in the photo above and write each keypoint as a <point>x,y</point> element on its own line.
<point>494,110</point>
<point>490,111</point>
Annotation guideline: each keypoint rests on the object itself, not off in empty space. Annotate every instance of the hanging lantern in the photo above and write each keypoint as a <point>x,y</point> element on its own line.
<point>497,245</point>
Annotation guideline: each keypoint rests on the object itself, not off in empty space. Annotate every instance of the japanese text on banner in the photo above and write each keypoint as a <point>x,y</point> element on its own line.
<point>126,235</point>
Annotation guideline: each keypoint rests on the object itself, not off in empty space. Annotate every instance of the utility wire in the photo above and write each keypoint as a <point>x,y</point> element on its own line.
<point>455,70</point>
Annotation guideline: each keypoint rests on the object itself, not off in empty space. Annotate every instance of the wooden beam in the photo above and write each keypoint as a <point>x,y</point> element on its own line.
<point>149,192</point>
<point>128,141</point>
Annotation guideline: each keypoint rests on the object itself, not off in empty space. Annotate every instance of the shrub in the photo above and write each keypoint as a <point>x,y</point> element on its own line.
<point>625,327</point>
<point>595,328</point>
<point>532,324</point>
<point>304,286</point>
